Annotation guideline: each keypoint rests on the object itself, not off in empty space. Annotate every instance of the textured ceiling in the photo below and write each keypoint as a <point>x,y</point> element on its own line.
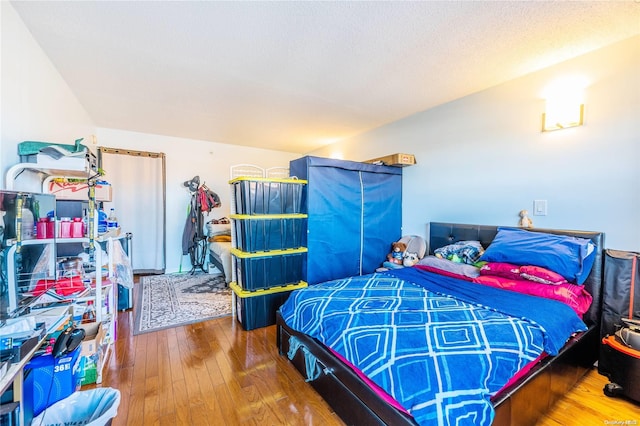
<point>297,75</point>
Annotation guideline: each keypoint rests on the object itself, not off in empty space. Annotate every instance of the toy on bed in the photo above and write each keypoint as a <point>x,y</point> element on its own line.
<point>407,251</point>
<point>397,252</point>
<point>468,252</point>
<point>525,221</point>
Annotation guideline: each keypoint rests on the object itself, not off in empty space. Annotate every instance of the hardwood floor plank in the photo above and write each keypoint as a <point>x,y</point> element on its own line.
<point>168,420</point>
<point>199,416</point>
<point>181,403</point>
<point>188,360</point>
<point>137,395</point>
<point>151,404</point>
<point>151,362</point>
<point>229,413</point>
<point>173,347</point>
<point>165,380</point>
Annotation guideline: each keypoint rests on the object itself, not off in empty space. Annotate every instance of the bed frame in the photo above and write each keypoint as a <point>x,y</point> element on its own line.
<point>523,403</point>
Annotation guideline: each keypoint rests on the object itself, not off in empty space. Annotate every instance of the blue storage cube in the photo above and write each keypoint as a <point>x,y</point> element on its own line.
<point>267,196</point>
<point>48,380</point>
<point>265,233</point>
<point>262,270</point>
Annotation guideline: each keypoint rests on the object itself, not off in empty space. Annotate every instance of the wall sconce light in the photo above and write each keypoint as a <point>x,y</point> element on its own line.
<point>564,106</point>
<point>559,117</point>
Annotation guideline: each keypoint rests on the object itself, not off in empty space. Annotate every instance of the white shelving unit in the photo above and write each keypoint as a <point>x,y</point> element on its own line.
<point>104,295</point>
<point>106,289</point>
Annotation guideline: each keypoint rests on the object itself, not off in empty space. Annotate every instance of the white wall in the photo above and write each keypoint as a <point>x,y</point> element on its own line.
<point>36,103</point>
<point>186,158</point>
<point>482,159</point>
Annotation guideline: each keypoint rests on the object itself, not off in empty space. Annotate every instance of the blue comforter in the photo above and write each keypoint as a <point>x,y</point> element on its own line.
<point>439,346</point>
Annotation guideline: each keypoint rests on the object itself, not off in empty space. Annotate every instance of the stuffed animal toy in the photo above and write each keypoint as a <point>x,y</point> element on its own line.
<point>410,259</point>
<point>397,252</point>
<point>525,222</point>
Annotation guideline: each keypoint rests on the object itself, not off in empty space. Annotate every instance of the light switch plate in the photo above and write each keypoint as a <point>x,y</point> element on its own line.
<point>540,207</point>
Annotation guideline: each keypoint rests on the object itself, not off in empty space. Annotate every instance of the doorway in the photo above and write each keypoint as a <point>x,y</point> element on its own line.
<point>138,180</point>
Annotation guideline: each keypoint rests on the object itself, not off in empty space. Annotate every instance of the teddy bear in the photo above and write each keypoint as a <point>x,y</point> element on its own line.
<point>397,252</point>
<point>525,221</point>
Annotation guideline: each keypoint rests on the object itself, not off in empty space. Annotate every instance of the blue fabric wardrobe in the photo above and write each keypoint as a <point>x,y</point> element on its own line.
<point>354,214</point>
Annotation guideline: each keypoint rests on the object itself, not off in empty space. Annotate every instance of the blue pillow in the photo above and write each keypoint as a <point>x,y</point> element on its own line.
<point>570,257</point>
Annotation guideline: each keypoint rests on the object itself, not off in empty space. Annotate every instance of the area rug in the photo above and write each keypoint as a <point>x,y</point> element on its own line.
<point>169,300</point>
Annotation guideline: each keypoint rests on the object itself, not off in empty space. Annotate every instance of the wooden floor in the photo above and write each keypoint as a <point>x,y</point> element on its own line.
<point>215,373</point>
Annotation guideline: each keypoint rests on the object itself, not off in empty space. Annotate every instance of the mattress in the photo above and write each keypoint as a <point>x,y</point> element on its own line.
<point>461,331</point>
<point>221,251</point>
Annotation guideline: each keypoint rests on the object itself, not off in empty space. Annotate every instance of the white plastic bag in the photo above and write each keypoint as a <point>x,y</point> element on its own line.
<point>124,271</point>
<point>94,407</point>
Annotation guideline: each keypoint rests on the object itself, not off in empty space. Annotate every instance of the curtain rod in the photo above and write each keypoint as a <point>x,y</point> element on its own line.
<point>131,152</point>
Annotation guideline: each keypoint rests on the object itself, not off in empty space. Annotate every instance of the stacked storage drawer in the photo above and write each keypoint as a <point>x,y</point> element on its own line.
<point>256,309</point>
<point>267,254</point>
<point>263,270</point>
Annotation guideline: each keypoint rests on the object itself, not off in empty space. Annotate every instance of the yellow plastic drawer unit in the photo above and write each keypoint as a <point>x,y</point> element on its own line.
<point>267,196</point>
<point>257,309</point>
<point>268,232</point>
<point>263,270</point>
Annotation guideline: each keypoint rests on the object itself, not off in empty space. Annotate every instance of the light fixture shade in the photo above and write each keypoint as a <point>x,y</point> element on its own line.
<point>564,103</point>
<point>562,115</point>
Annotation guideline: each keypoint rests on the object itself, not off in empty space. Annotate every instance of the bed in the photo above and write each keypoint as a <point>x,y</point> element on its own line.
<point>220,257</point>
<point>219,239</point>
<point>539,379</point>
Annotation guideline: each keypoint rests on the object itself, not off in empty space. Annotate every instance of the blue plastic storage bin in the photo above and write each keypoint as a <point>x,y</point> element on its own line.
<point>267,196</point>
<point>47,380</point>
<point>265,233</point>
<point>263,270</point>
<point>256,309</point>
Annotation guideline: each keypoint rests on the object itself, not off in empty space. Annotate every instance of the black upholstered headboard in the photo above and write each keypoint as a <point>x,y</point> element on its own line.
<point>441,234</point>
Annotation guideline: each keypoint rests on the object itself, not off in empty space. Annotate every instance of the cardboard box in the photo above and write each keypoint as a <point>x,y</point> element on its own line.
<point>78,191</point>
<point>93,338</point>
<point>399,160</point>
<point>91,352</point>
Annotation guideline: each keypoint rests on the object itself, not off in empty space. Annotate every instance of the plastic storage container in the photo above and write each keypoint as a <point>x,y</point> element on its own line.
<point>112,220</point>
<point>65,227</point>
<point>256,309</point>
<point>77,228</point>
<point>267,196</point>
<point>264,233</point>
<point>45,228</point>
<point>48,380</point>
<point>102,221</point>
<point>259,271</point>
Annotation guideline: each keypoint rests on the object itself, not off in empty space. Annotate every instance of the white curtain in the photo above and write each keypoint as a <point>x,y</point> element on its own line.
<point>138,188</point>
